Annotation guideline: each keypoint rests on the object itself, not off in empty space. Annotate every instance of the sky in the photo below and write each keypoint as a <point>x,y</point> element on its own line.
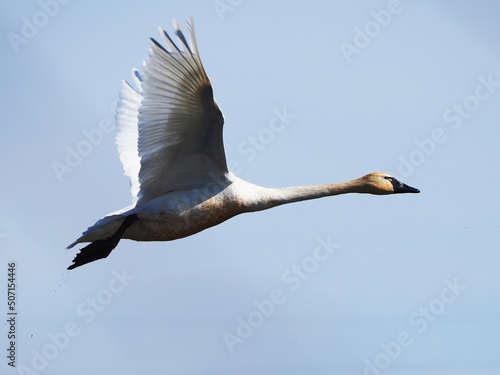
<point>354,284</point>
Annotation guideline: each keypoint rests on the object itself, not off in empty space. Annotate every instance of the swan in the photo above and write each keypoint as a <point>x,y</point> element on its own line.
<point>169,139</point>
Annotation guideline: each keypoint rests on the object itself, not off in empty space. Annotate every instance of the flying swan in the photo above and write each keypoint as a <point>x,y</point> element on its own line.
<point>169,137</point>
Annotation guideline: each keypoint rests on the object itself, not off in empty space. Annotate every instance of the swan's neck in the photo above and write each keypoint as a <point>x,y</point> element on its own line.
<point>272,197</point>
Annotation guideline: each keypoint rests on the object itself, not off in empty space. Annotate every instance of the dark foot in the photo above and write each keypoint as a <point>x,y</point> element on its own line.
<point>102,248</point>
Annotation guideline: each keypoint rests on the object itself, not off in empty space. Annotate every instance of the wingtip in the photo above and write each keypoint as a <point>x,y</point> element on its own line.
<point>176,25</point>
<point>190,23</point>
<point>136,76</point>
<point>180,35</point>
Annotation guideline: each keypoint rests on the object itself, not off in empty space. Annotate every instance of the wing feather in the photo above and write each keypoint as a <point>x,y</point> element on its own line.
<point>170,127</point>
<point>128,133</point>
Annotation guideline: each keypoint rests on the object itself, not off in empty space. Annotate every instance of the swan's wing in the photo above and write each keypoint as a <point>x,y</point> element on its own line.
<point>179,123</point>
<point>127,132</point>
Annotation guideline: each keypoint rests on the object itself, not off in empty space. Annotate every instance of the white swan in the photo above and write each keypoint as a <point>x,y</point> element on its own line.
<point>169,139</point>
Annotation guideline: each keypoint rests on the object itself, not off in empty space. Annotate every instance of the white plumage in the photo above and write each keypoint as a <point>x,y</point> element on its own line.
<point>169,137</point>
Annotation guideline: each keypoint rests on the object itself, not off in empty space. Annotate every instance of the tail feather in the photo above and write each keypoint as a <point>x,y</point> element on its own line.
<point>102,248</point>
<point>105,227</point>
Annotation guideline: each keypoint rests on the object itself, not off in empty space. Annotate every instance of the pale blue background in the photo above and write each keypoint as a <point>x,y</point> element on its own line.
<point>395,253</point>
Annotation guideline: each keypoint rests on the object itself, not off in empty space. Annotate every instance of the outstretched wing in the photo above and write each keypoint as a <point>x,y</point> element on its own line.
<point>127,134</point>
<point>179,124</point>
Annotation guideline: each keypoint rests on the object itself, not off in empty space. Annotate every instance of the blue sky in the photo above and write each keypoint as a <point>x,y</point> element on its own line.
<point>350,284</point>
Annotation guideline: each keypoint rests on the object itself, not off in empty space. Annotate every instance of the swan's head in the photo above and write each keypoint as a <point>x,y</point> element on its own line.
<point>381,184</point>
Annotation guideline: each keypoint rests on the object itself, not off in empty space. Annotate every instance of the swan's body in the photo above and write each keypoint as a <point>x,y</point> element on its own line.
<point>170,143</point>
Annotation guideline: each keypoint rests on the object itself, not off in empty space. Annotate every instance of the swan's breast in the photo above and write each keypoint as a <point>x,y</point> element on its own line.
<point>180,214</point>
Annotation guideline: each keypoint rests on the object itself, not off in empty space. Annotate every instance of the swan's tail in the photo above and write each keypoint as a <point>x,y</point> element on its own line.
<point>102,247</point>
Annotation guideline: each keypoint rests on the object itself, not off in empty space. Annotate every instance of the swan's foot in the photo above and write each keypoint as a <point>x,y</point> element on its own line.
<point>102,248</point>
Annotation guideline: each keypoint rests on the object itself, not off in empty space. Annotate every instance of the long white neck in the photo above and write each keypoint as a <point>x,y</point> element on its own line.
<point>260,198</point>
